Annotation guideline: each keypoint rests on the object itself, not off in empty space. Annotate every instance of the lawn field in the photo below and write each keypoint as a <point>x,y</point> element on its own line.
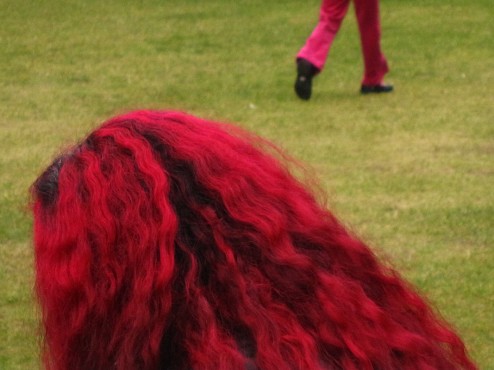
<point>411,172</point>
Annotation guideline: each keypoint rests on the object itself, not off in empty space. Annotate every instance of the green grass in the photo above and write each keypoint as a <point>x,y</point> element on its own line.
<point>411,172</point>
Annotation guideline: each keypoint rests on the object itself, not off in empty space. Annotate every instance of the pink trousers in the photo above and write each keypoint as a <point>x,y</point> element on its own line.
<point>317,46</point>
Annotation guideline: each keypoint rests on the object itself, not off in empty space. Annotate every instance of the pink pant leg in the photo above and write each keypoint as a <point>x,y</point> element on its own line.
<point>317,46</point>
<point>375,64</point>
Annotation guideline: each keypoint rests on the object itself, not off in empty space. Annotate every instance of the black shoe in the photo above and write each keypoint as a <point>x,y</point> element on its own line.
<point>303,84</point>
<point>369,89</point>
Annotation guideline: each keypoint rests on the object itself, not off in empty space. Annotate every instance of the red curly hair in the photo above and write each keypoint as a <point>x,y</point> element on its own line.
<point>165,241</point>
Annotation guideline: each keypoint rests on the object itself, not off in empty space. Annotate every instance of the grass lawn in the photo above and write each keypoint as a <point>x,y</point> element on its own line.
<point>411,172</point>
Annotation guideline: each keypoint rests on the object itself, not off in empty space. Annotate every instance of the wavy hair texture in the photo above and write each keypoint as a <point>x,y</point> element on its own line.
<point>165,241</point>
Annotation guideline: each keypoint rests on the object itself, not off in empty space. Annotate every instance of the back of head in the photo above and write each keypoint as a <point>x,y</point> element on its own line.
<point>164,241</point>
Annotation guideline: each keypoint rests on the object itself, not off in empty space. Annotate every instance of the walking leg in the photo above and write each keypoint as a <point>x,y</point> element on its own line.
<point>375,64</point>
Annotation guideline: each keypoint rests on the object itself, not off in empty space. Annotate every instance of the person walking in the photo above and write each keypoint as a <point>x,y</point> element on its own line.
<point>312,57</point>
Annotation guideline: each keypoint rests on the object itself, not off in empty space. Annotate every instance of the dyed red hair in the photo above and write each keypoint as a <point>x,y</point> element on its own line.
<point>164,241</point>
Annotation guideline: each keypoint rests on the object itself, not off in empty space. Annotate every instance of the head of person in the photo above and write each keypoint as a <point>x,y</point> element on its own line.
<point>165,241</point>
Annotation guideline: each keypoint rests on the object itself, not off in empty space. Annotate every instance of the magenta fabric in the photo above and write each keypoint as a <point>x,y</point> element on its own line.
<point>332,12</point>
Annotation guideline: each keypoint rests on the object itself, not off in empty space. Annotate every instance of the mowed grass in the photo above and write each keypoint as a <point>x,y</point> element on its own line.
<point>410,172</point>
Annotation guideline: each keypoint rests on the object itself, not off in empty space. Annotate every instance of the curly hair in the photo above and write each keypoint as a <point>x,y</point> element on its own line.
<point>165,241</point>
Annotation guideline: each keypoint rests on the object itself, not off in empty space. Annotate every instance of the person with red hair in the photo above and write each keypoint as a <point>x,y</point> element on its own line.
<point>166,241</point>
